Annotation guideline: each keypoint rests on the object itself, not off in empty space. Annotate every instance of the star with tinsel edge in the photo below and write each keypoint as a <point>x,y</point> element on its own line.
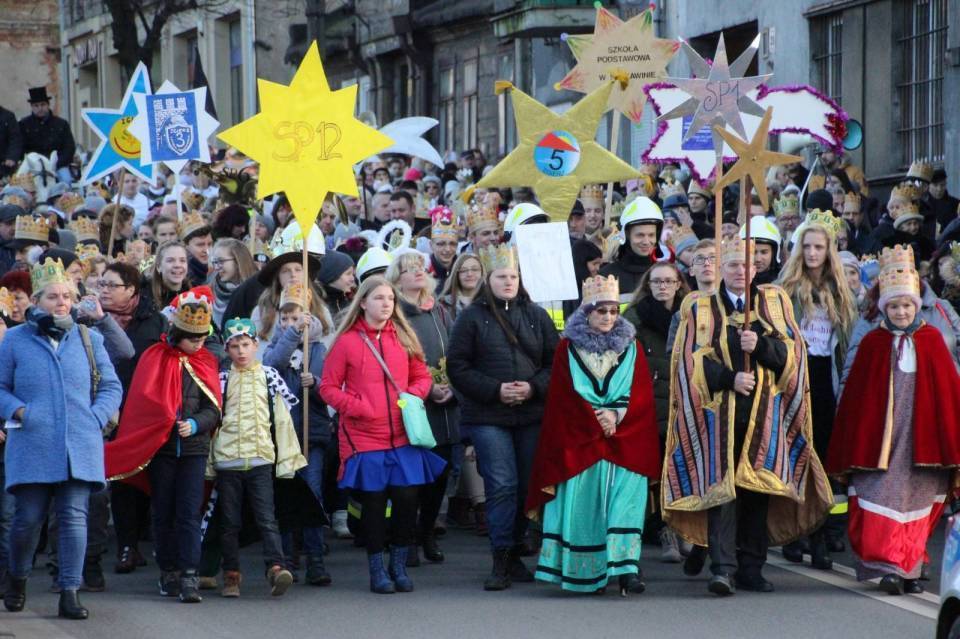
<point>615,45</point>
<point>306,139</point>
<point>753,159</point>
<point>118,147</point>
<point>718,92</point>
<point>556,154</point>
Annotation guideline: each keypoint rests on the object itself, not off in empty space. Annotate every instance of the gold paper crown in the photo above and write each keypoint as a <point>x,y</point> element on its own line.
<point>12,198</point>
<point>68,202</point>
<point>442,228</point>
<point>921,170</point>
<point>786,203</point>
<point>293,294</point>
<point>697,189</point>
<point>482,217</point>
<point>671,187</point>
<point>49,272</point>
<point>830,223</point>
<point>733,249</point>
<point>868,257</point>
<point>898,273</point>
<point>87,251</point>
<point>851,202</point>
<point>262,248</point>
<point>192,200</point>
<point>497,257</point>
<point>85,229</point>
<point>907,210</point>
<point>591,192</point>
<point>598,289</point>
<point>193,314</point>
<point>32,228</point>
<point>907,191</point>
<point>681,233</point>
<point>191,223</point>
<point>6,302</point>
<point>24,181</point>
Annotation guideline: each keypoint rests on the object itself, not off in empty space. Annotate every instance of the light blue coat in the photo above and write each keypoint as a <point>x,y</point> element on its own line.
<point>60,436</point>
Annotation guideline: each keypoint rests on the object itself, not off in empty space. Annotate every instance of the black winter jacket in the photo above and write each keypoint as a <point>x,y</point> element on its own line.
<point>11,142</point>
<point>49,135</point>
<point>197,406</point>
<point>628,268</point>
<point>482,358</point>
<point>144,330</point>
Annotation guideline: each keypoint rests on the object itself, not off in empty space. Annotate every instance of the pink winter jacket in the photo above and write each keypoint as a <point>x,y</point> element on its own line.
<point>355,385</point>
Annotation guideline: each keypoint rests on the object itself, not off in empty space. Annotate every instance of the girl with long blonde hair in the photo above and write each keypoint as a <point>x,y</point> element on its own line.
<point>826,311</point>
<point>405,333</point>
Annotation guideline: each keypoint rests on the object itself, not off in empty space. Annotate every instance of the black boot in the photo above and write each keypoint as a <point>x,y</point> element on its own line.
<point>499,578</point>
<point>190,587</point>
<point>70,607</point>
<point>93,580</point>
<point>819,555</point>
<point>317,574</point>
<point>518,571</point>
<point>631,584</point>
<point>16,595</point>
<point>431,550</point>
<point>793,552</point>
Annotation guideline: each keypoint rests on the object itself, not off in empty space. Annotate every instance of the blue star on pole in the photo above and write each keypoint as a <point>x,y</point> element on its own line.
<point>118,146</point>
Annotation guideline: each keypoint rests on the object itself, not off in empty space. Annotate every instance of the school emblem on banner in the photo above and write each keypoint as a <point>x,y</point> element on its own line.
<point>173,126</point>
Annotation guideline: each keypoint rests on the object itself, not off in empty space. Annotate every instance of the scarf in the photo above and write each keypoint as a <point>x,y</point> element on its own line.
<point>123,313</point>
<point>54,327</point>
<point>221,295</point>
<point>580,334</point>
<point>654,315</point>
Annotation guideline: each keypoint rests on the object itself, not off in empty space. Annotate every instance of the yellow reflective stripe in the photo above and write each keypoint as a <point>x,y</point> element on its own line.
<point>839,509</point>
<point>556,314</point>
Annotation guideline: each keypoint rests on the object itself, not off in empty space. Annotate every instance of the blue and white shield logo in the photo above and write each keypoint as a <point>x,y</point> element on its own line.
<point>178,135</point>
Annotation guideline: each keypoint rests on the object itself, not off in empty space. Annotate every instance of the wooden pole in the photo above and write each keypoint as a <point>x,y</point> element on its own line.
<point>748,259</point>
<point>614,143</point>
<point>306,349</point>
<point>253,231</point>
<point>718,211</point>
<point>116,213</point>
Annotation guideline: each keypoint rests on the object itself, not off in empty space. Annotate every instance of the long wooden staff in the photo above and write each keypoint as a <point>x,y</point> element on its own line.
<point>748,259</point>
<point>718,208</point>
<point>116,213</point>
<point>614,143</point>
<point>306,350</point>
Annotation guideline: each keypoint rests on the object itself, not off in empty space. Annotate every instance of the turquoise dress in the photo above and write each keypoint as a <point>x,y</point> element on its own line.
<point>592,528</point>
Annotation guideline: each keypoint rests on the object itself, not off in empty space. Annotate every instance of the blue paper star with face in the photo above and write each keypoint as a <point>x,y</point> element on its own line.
<point>118,147</point>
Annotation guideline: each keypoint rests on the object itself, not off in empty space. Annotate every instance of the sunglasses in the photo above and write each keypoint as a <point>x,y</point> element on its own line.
<point>610,310</point>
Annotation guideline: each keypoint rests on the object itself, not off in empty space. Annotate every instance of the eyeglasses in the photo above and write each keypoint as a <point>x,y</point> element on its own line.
<point>110,285</point>
<point>700,260</point>
<point>607,310</point>
<point>662,283</point>
<point>220,262</point>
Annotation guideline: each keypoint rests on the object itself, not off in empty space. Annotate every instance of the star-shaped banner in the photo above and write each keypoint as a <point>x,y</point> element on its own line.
<point>719,97</point>
<point>118,147</point>
<point>556,154</point>
<point>173,126</point>
<point>306,139</point>
<point>630,48</point>
<point>407,136</point>
<point>754,159</point>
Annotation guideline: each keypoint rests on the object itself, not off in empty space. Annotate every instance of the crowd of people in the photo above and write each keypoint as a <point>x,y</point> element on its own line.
<point>181,358</point>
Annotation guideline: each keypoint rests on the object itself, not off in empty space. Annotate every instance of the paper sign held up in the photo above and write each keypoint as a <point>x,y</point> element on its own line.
<point>546,262</point>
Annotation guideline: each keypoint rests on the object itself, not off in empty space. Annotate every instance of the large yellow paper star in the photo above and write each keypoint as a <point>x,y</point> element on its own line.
<point>629,47</point>
<point>306,139</point>
<point>753,159</point>
<point>556,154</point>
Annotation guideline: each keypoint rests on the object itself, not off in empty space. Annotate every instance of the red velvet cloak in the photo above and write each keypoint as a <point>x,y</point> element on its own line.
<point>571,439</point>
<point>858,430</point>
<point>153,401</point>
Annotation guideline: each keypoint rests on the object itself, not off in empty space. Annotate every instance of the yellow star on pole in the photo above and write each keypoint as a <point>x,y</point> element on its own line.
<point>630,47</point>
<point>306,139</point>
<point>753,159</point>
<point>556,154</point>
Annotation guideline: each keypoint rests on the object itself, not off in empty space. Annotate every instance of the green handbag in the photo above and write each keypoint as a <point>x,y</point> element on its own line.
<point>414,413</point>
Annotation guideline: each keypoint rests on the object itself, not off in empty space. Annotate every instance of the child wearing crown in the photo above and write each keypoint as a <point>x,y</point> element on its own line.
<point>898,452</point>
<point>171,410</point>
<point>256,441</point>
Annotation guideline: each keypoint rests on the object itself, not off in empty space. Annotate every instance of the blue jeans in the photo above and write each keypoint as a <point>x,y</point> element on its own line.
<point>504,459</point>
<point>7,505</point>
<point>312,474</point>
<point>176,484</point>
<point>33,503</point>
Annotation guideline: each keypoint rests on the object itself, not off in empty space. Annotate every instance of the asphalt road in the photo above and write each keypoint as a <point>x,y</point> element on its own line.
<point>449,602</point>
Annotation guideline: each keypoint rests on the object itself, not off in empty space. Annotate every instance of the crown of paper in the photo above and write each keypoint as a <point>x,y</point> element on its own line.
<point>851,202</point>
<point>6,302</point>
<point>922,170</point>
<point>191,223</point>
<point>907,210</point>
<point>598,289</point>
<point>49,272</point>
<point>294,294</point>
<point>24,181</point>
<point>733,249</point>
<point>444,229</point>
<point>592,192</point>
<point>85,229</point>
<point>87,251</point>
<point>68,202</point>
<point>898,273</point>
<point>680,234</point>
<point>697,189</point>
<point>482,217</point>
<point>192,200</point>
<point>239,327</point>
<point>497,257</point>
<point>262,248</point>
<point>193,313</point>
<point>13,198</point>
<point>32,228</point>
<point>830,223</point>
<point>786,203</point>
<point>670,187</point>
<point>907,191</point>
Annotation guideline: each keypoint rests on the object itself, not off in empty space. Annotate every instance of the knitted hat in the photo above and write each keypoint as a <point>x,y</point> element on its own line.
<point>333,266</point>
<point>849,259</point>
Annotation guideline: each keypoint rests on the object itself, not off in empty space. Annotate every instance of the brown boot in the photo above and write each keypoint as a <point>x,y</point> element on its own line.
<point>280,579</point>
<point>231,583</point>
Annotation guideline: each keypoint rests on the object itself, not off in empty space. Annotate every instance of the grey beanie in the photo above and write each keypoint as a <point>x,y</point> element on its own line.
<point>333,265</point>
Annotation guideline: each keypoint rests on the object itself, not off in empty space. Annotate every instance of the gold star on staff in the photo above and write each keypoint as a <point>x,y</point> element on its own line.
<point>753,159</point>
<point>629,47</point>
<point>306,139</point>
<point>556,154</point>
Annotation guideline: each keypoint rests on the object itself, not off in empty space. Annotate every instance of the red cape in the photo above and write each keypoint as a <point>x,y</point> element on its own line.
<point>859,426</point>
<point>571,439</point>
<point>154,399</point>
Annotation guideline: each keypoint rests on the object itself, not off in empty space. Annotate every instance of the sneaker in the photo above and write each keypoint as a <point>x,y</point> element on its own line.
<point>169,583</point>
<point>231,584</point>
<point>208,583</point>
<point>339,524</point>
<point>669,548</point>
<point>126,561</point>
<point>190,587</point>
<point>279,579</point>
